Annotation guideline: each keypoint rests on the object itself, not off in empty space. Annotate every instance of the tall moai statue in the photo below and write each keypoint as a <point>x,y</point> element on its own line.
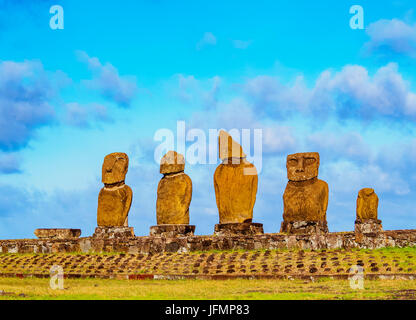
<point>174,194</point>
<point>114,199</point>
<point>235,182</point>
<point>367,218</point>
<point>305,199</point>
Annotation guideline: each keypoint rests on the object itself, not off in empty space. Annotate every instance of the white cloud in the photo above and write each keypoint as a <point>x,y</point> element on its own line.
<point>240,44</point>
<point>108,82</point>
<point>347,177</point>
<point>392,36</point>
<point>277,139</point>
<point>348,93</point>
<point>26,92</point>
<point>207,40</point>
<point>350,145</point>
<point>82,115</point>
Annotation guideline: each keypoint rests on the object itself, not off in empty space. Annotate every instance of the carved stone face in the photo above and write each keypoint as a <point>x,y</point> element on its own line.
<point>302,166</point>
<point>115,168</point>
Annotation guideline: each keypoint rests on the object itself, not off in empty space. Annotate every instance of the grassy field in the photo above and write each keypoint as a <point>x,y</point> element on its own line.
<point>256,262</point>
<point>13,288</point>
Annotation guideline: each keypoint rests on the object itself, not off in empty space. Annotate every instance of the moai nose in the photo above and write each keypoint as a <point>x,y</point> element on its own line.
<point>300,167</point>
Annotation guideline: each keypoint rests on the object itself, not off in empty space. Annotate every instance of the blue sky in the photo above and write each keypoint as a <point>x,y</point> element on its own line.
<point>117,73</point>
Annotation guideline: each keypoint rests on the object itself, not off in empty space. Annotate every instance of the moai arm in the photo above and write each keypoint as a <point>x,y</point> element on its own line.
<point>217,191</point>
<point>254,191</point>
<point>188,193</point>
<point>128,204</point>
<point>325,198</point>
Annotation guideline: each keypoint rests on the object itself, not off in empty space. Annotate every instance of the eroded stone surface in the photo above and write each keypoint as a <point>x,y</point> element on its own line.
<point>115,198</point>
<point>232,229</point>
<point>235,182</point>
<point>114,232</point>
<point>153,245</point>
<point>306,197</point>
<point>368,226</point>
<point>367,204</point>
<point>174,192</point>
<point>172,162</point>
<point>228,148</point>
<point>172,230</point>
<point>57,233</point>
<point>305,227</point>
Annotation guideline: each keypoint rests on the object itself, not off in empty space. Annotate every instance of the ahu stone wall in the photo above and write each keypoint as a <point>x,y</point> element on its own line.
<point>157,244</point>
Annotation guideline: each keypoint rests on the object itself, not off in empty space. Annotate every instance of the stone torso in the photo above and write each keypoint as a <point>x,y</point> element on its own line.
<point>367,204</point>
<point>305,201</point>
<point>113,206</point>
<point>235,191</point>
<point>174,195</point>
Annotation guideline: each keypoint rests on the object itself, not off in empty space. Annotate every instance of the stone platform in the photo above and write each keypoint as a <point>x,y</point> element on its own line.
<point>57,233</point>
<point>113,232</point>
<point>304,227</point>
<point>368,226</point>
<point>238,229</point>
<point>104,242</point>
<point>172,230</point>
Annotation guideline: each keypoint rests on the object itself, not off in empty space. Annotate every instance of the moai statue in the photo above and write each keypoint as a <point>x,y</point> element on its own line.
<point>235,182</point>
<point>367,205</point>
<point>305,199</point>
<point>174,194</point>
<point>115,198</point>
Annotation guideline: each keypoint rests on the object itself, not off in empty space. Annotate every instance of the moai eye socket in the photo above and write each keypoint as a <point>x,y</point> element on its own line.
<point>292,162</point>
<point>309,161</point>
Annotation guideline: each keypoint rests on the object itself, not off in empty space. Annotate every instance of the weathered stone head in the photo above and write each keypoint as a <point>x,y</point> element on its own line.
<point>367,204</point>
<point>174,192</point>
<point>115,168</point>
<point>172,162</point>
<point>302,166</point>
<point>228,148</point>
<point>235,182</point>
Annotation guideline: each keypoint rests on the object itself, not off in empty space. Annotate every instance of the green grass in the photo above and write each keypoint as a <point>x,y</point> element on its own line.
<point>207,289</point>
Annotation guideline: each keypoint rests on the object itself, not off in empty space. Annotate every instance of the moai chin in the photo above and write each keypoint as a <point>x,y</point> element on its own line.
<point>174,194</point>
<point>305,199</point>
<point>235,182</point>
<point>367,205</point>
<point>115,197</point>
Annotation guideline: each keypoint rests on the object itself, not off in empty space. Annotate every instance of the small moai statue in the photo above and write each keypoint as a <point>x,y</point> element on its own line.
<point>115,198</point>
<point>174,194</point>
<point>305,199</point>
<point>235,182</point>
<point>367,206</point>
